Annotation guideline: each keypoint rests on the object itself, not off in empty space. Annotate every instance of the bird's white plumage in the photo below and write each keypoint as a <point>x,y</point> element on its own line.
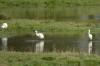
<point>4,25</point>
<point>40,35</point>
<point>89,35</point>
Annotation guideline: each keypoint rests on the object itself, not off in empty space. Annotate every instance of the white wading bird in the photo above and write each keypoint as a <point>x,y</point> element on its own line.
<point>4,25</point>
<point>89,35</point>
<point>40,35</point>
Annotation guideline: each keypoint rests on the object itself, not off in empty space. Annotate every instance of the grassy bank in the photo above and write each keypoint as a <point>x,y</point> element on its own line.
<point>48,3</point>
<point>48,59</point>
<point>47,27</point>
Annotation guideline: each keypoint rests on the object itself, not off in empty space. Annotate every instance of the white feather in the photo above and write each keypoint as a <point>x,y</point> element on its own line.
<point>89,35</point>
<point>40,35</point>
<point>4,25</point>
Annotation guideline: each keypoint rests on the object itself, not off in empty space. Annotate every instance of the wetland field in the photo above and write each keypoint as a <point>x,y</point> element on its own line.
<point>64,23</point>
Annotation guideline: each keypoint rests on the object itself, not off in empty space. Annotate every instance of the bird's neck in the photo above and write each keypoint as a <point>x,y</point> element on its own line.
<point>36,33</point>
<point>88,32</point>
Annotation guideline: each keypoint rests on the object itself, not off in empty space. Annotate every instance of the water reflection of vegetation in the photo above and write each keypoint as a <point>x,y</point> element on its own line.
<point>59,14</point>
<point>50,9</point>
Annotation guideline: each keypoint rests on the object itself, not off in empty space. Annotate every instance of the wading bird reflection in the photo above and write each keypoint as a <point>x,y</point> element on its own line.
<point>4,44</point>
<point>39,47</point>
<point>90,47</point>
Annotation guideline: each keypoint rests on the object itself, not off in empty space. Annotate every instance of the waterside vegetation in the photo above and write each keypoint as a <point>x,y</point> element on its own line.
<point>47,27</point>
<point>48,3</point>
<point>48,59</point>
<point>25,16</point>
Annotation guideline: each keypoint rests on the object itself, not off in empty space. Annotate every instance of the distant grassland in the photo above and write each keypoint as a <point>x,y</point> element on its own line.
<point>49,3</point>
<point>61,10</point>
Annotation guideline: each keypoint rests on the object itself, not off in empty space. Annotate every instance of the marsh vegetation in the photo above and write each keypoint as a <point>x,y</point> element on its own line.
<point>64,18</point>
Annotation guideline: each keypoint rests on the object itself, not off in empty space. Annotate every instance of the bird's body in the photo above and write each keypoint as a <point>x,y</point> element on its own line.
<point>4,25</point>
<point>89,35</point>
<point>40,35</point>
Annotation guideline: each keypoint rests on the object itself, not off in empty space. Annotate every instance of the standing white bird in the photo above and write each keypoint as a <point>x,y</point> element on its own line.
<point>4,25</point>
<point>89,35</point>
<point>40,35</point>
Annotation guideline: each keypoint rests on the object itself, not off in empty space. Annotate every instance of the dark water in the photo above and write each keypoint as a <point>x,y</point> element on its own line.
<point>75,42</point>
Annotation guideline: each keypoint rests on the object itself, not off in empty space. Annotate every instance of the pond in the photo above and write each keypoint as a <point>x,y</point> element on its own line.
<point>75,42</point>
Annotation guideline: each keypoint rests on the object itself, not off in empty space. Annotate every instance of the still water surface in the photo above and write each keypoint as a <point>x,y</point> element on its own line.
<point>75,42</point>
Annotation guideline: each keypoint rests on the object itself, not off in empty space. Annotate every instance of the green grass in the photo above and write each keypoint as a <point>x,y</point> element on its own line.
<point>24,26</point>
<point>49,9</point>
<point>61,10</point>
<point>47,59</point>
<point>47,27</point>
<point>49,3</point>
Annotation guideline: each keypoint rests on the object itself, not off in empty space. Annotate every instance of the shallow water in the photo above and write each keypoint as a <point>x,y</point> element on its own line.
<point>75,42</point>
